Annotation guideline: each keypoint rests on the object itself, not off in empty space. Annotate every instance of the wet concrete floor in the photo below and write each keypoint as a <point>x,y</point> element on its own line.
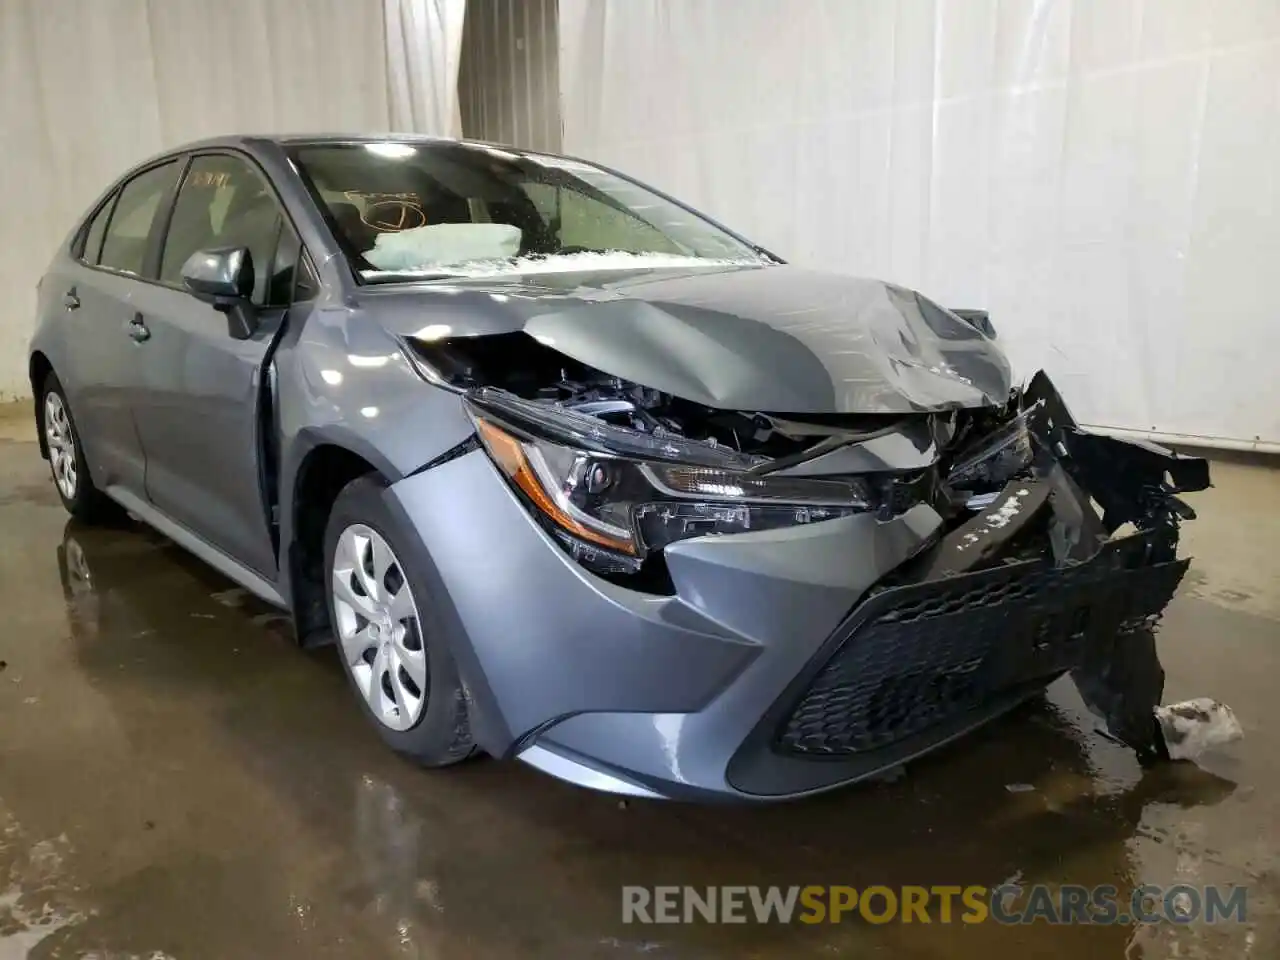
<point>178,781</point>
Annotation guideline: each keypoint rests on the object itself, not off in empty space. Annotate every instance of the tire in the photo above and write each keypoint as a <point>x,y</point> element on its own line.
<point>435,732</point>
<point>71,477</point>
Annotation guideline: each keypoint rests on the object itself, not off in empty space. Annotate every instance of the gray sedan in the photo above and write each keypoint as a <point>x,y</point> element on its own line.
<point>570,473</point>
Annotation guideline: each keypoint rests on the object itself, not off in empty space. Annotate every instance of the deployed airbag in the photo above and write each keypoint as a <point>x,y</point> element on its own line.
<point>441,244</point>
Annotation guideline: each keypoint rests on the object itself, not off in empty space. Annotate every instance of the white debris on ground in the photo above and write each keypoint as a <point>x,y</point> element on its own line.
<point>1193,727</point>
<point>33,897</point>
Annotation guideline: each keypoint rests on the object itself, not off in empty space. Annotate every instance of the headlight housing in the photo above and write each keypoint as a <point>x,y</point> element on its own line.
<point>998,457</point>
<point>612,496</point>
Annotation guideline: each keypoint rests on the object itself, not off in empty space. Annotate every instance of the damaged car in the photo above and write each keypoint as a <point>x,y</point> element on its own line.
<point>569,473</point>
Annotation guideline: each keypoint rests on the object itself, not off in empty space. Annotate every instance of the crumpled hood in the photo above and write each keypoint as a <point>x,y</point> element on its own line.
<point>776,338</point>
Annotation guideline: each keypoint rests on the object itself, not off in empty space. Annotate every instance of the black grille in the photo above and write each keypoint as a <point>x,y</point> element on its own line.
<point>918,655</point>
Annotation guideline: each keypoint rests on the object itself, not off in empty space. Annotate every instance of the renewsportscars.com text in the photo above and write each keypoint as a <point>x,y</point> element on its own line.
<point>1008,904</point>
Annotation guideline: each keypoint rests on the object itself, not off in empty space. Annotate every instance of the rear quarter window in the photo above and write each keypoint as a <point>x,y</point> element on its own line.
<point>95,229</point>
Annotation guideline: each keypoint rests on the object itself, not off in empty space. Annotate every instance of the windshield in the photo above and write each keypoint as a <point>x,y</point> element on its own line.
<point>402,210</point>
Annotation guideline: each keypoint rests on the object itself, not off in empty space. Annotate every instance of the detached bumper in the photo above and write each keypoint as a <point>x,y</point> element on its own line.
<point>797,660</point>
<point>916,665</point>
<point>910,669</point>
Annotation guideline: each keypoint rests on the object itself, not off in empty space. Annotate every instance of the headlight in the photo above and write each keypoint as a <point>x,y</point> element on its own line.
<point>612,495</point>
<point>996,458</point>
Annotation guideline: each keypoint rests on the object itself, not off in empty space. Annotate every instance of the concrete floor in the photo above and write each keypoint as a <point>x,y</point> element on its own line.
<point>177,780</point>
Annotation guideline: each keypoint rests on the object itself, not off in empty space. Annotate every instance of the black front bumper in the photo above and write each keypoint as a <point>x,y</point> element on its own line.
<point>976,624</point>
<point>916,665</point>
<point>914,657</point>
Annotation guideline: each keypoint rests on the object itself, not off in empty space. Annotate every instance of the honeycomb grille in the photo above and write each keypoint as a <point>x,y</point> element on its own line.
<point>919,655</point>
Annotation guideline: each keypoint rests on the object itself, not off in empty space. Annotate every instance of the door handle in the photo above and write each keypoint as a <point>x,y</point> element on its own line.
<point>71,301</point>
<point>138,331</point>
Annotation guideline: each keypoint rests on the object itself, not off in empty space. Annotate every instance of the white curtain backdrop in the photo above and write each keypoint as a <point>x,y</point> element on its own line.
<point>89,87</point>
<point>1101,175</point>
<point>424,47</point>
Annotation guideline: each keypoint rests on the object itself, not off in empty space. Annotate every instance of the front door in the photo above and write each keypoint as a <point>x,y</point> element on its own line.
<point>200,416</point>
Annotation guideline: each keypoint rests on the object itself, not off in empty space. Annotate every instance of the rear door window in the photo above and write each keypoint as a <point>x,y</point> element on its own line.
<point>124,246</point>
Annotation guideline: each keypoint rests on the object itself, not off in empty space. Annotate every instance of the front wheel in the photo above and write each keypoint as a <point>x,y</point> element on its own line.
<point>392,648</point>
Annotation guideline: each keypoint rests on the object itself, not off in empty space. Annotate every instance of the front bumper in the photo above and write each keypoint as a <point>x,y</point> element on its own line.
<point>918,664</point>
<point>793,661</point>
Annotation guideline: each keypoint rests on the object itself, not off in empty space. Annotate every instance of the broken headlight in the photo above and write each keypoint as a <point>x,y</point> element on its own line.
<point>612,495</point>
<point>997,458</point>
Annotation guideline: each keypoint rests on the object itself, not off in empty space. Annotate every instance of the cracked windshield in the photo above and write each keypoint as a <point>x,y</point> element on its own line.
<point>413,211</point>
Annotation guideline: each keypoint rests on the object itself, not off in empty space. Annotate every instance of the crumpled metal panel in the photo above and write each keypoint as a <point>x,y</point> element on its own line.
<point>776,338</point>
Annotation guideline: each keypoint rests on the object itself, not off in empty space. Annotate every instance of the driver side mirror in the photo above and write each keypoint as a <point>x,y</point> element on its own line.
<point>223,277</point>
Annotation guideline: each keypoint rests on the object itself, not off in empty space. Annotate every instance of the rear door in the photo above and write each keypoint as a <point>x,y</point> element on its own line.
<point>200,417</point>
<point>97,292</point>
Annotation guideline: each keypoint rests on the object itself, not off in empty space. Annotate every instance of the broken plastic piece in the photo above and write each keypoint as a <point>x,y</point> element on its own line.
<point>1123,685</point>
<point>1133,481</point>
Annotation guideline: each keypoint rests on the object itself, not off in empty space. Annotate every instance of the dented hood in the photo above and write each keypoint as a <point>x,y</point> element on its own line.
<point>774,338</point>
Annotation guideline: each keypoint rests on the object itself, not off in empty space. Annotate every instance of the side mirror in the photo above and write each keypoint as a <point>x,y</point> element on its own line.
<point>223,277</point>
<point>980,320</point>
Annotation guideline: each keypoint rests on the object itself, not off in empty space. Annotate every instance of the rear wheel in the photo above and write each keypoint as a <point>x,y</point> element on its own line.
<point>71,476</point>
<point>392,649</point>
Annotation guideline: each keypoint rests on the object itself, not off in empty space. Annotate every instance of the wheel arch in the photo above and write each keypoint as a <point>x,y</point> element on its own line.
<point>324,465</point>
<point>38,370</point>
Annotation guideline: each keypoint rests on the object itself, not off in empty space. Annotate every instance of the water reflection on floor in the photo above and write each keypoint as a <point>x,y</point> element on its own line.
<point>177,780</point>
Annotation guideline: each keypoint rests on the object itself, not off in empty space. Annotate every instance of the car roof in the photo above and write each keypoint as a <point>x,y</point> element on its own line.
<point>254,144</point>
<point>250,140</point>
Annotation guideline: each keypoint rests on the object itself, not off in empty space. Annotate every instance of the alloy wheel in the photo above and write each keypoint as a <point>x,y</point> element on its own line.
<point>61,441</point>
<point>378,627</point>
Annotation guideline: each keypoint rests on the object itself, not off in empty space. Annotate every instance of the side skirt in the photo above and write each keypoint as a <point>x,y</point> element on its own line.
<point>228,567</point>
